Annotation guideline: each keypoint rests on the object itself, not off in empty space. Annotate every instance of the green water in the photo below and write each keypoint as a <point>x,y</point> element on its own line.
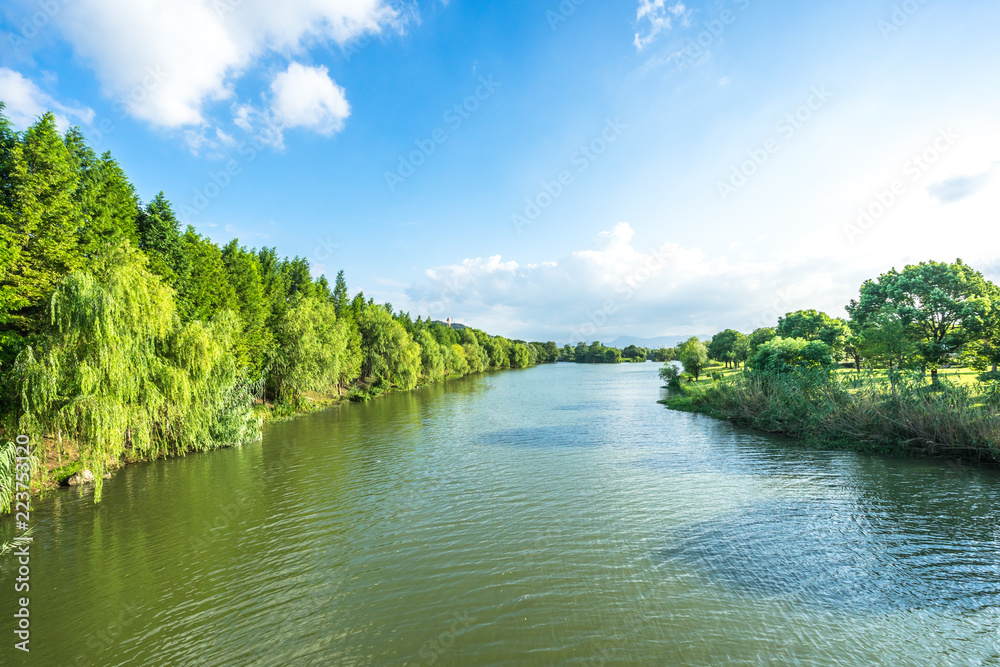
<point>556,515</point>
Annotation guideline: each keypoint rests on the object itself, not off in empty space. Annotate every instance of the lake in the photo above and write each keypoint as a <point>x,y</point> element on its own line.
<point>555,515</point>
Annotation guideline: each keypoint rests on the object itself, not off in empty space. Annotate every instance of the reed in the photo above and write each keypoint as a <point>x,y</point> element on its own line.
<point>859,412</point>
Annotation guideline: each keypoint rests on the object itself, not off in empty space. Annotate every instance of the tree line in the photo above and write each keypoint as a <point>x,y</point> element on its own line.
<point>598,353</point>
<point>916,320</point>
<point>125,335</point>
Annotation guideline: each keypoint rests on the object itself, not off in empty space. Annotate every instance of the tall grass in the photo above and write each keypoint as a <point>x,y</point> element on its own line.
<point>858,412</point>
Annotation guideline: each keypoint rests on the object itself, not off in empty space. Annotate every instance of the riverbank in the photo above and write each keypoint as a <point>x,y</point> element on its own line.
<point>855,413</point>
<point>62,463</point>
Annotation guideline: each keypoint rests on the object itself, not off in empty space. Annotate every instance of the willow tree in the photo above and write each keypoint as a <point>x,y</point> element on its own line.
<point>312,345</point>
<point>431,357</point>
<point>456,361</point>
<point>475,356</point>
<point>117,372</point>
<point>388,352</point>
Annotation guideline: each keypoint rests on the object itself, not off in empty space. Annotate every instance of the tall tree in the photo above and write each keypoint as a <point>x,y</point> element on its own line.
<point>942,306</point>
<point>106,199</point>
<point>40,217</point>
<point>255,342</point>
<point>815,325</point>
<point>160,236</point>
<point>388,352</point>
<point>311,348</point>
<point>340,298</point>
<point>693,354</point>
<point>722,347</point>
<point>206,289</point>
<point>116,371</point>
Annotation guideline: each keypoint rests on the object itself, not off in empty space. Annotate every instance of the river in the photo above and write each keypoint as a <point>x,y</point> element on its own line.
<point>556,515</point>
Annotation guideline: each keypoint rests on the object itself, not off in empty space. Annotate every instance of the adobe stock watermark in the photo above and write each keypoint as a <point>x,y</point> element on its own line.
<point>695,48</point>
<point>580,160</point>
<point>432,650</point>
<point>104,640</point>
<point>224,7</point>
<point>781,304</point>
<point>913,170</point>
<point>453,118</point>
<point>624,289</point>
<point>901,15</point>
<point>562,13</point>
<point>218,181</point>
<point>787,127</point>
<point>31,25</point>
<point>356,46</point>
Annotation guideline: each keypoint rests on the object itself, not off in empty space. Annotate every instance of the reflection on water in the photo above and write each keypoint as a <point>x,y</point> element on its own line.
<point>550,516</point>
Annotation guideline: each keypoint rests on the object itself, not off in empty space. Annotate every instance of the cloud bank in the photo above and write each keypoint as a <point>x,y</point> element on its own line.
<point>168,59</point>
<point>615,288</point>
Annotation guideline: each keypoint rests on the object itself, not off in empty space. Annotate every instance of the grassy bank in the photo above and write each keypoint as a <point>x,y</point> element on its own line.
<point>856,411</point>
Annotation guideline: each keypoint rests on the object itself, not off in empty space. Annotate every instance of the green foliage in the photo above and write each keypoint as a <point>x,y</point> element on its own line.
<point>671,373</point>
<point>8,475</point>
<point>520,356</point>
<point>814,325</point>
<point>205,289</point>
<point>726,346</point>
<point>940,306</point>
<point>432,359</point>
<point>118,372</point>
<point>161,239</point>
<point>340,299</point>
<point>107,202</point>
<point>786,355</point>
<point>311,347</point>
<point>758,338</point>
<point>693,354</point>
<point>254,344</point>
<point>388,352</point>
<point>831,410</point>
<point>40,218</point>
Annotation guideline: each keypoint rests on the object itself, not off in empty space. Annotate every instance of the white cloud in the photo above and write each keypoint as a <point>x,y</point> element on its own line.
<point>26,102</point>
<point>308,97</point>
<point>166,59</point>
<point>301,96</point>
<point>655,16</point>
<point>615,288</point>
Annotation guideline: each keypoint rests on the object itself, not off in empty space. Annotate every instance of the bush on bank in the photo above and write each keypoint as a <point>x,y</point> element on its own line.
<point>857,412</point>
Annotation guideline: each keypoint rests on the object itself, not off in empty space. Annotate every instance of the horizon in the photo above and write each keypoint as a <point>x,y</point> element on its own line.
<point>554,185</point>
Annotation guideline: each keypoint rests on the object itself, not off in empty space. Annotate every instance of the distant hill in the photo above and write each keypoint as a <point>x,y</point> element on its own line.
<point>652,343</point>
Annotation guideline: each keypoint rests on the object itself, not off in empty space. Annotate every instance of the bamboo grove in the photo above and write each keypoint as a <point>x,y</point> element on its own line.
<point>125,337</point>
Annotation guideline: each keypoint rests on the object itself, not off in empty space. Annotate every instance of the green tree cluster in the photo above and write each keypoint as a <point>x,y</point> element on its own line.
<point>133,337</point>
<point>921,318</point>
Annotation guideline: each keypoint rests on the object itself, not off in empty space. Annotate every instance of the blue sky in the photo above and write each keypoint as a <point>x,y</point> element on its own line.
<point>626,167</point>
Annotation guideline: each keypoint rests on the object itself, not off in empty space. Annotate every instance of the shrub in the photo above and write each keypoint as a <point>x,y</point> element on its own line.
<point>785,355</point>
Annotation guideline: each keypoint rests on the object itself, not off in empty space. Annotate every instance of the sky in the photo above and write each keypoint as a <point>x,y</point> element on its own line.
<point>548,170</point>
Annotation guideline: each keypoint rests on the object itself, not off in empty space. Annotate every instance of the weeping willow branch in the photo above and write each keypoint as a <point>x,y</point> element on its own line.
<point>118,372</point>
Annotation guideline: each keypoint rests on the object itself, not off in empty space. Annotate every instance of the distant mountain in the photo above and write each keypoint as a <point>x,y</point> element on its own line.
<point>652,343</point>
